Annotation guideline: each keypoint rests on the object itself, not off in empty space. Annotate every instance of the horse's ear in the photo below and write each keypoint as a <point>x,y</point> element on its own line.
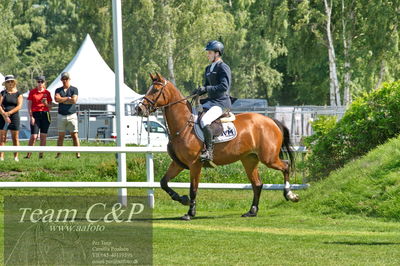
<point>152,77</point>
<point>159,77</point>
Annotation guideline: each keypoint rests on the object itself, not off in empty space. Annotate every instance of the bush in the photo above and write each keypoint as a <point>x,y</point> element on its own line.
<point>371,120</point>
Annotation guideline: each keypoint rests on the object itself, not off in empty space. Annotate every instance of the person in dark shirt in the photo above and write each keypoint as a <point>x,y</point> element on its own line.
<point>67,118</point>
<point>10,104</point>
<point>217,84</point>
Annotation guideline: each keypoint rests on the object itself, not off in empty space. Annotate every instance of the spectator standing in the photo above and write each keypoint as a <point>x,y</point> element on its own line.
<point>10,104</point>
<point>39,105</point>
<point>67,118</point>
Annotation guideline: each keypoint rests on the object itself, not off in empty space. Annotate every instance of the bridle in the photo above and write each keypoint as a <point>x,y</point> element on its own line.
<point>153,103</point>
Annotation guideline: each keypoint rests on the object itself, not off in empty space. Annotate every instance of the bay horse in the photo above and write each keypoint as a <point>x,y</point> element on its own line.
<point>259,139</point>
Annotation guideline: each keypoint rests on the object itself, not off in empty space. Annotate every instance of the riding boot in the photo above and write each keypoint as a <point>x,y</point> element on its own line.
<point>207,155</point>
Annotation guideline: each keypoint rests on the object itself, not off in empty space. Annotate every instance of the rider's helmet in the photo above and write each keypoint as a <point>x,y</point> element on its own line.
<point>215,46</point>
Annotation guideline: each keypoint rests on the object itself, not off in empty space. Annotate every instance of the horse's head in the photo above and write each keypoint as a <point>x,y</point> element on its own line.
<point>155,96</point>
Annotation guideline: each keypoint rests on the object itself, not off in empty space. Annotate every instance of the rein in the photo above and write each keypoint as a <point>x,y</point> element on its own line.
<point>190,121</point>
<point>181,100</point>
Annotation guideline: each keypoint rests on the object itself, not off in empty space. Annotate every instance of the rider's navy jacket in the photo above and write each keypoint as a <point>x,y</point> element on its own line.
<point>218,84</point>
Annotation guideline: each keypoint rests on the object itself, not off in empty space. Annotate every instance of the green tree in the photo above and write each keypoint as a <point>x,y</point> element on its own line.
<point>165,32</point>
<point>277,50</point>
<point>8,40</point>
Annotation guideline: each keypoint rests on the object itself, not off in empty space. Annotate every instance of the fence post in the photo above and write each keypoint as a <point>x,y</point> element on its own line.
<point>150,177</point>
<point>88,126</point>
<point>119,97</point>
<point>292,126</point>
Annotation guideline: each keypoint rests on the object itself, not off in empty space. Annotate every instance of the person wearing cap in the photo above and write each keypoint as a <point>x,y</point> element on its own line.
<point>217,85</point>
<point>67,118</point>
<point>39,105</point>
<point>10,104</point>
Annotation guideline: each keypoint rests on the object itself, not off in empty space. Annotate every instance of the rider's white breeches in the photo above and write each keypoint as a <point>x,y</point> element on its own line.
<point>212,114</point>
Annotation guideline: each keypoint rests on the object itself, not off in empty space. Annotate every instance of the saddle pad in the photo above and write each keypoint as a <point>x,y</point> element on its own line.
<point>229,130</point>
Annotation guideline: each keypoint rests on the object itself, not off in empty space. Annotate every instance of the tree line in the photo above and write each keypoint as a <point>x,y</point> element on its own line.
<point>290,52</point>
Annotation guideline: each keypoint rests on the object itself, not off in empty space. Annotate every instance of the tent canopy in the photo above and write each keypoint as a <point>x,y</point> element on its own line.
<point>1,81</point>
<point>93,77</point>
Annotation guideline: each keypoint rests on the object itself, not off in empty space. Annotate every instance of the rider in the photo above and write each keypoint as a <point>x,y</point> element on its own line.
<point>217,85</point>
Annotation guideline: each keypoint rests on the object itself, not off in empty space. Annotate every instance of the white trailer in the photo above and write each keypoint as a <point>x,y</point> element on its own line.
<point>139,130</point>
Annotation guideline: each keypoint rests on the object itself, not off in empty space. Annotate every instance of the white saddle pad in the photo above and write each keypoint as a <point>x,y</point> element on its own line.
<point>229,130</point>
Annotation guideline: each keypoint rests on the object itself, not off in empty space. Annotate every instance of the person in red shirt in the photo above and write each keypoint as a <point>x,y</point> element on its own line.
<point>39,105</point>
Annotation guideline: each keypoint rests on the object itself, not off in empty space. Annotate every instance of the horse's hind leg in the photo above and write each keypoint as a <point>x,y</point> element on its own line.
<point>284,166</point>
<point>173,170</point>
<point>250,165</point>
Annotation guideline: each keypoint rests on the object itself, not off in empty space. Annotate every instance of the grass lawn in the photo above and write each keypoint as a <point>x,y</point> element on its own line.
<point>284,233</point>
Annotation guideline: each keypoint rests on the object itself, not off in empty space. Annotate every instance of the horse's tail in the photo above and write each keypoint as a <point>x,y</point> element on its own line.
<point>286,143</point>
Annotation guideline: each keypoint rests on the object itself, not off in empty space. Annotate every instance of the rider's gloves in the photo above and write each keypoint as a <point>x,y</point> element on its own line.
<point>200,91</point>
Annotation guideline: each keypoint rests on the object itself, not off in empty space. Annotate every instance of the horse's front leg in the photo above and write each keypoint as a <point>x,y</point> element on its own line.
<point>173,170</point>
<point>195,172</point>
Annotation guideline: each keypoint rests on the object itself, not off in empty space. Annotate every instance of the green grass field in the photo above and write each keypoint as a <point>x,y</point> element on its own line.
<point>327,227</point>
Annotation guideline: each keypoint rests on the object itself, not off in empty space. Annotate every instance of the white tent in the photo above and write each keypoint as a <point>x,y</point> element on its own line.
<point>93,77</point>
<point>1,81</point>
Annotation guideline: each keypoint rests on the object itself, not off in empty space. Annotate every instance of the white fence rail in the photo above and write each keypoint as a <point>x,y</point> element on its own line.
<point>139,185</point>
<point>89,149</point>
<point>149,169</point>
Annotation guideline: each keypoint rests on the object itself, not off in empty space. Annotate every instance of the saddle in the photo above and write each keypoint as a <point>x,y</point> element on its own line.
<point>216,126</point>
<point>223,128</point>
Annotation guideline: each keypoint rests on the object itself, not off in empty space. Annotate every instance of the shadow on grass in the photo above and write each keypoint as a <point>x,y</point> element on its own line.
<point>226,216</point>
<point>179,218</point>
<point>350,243</point>
<point>79,219</point>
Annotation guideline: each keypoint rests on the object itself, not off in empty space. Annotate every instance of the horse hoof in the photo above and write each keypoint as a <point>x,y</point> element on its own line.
<point>296,198</point>
<point>249,214</point>
<point>186,217</point>
<point>252,213</point>
<point>185,200</point>
<point>289,195</point>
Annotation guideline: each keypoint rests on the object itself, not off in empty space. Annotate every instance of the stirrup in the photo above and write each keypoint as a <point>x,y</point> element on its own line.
<point>206,156</point>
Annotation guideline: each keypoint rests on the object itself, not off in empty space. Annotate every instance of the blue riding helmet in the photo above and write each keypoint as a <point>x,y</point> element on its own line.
<point>215,46</point>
